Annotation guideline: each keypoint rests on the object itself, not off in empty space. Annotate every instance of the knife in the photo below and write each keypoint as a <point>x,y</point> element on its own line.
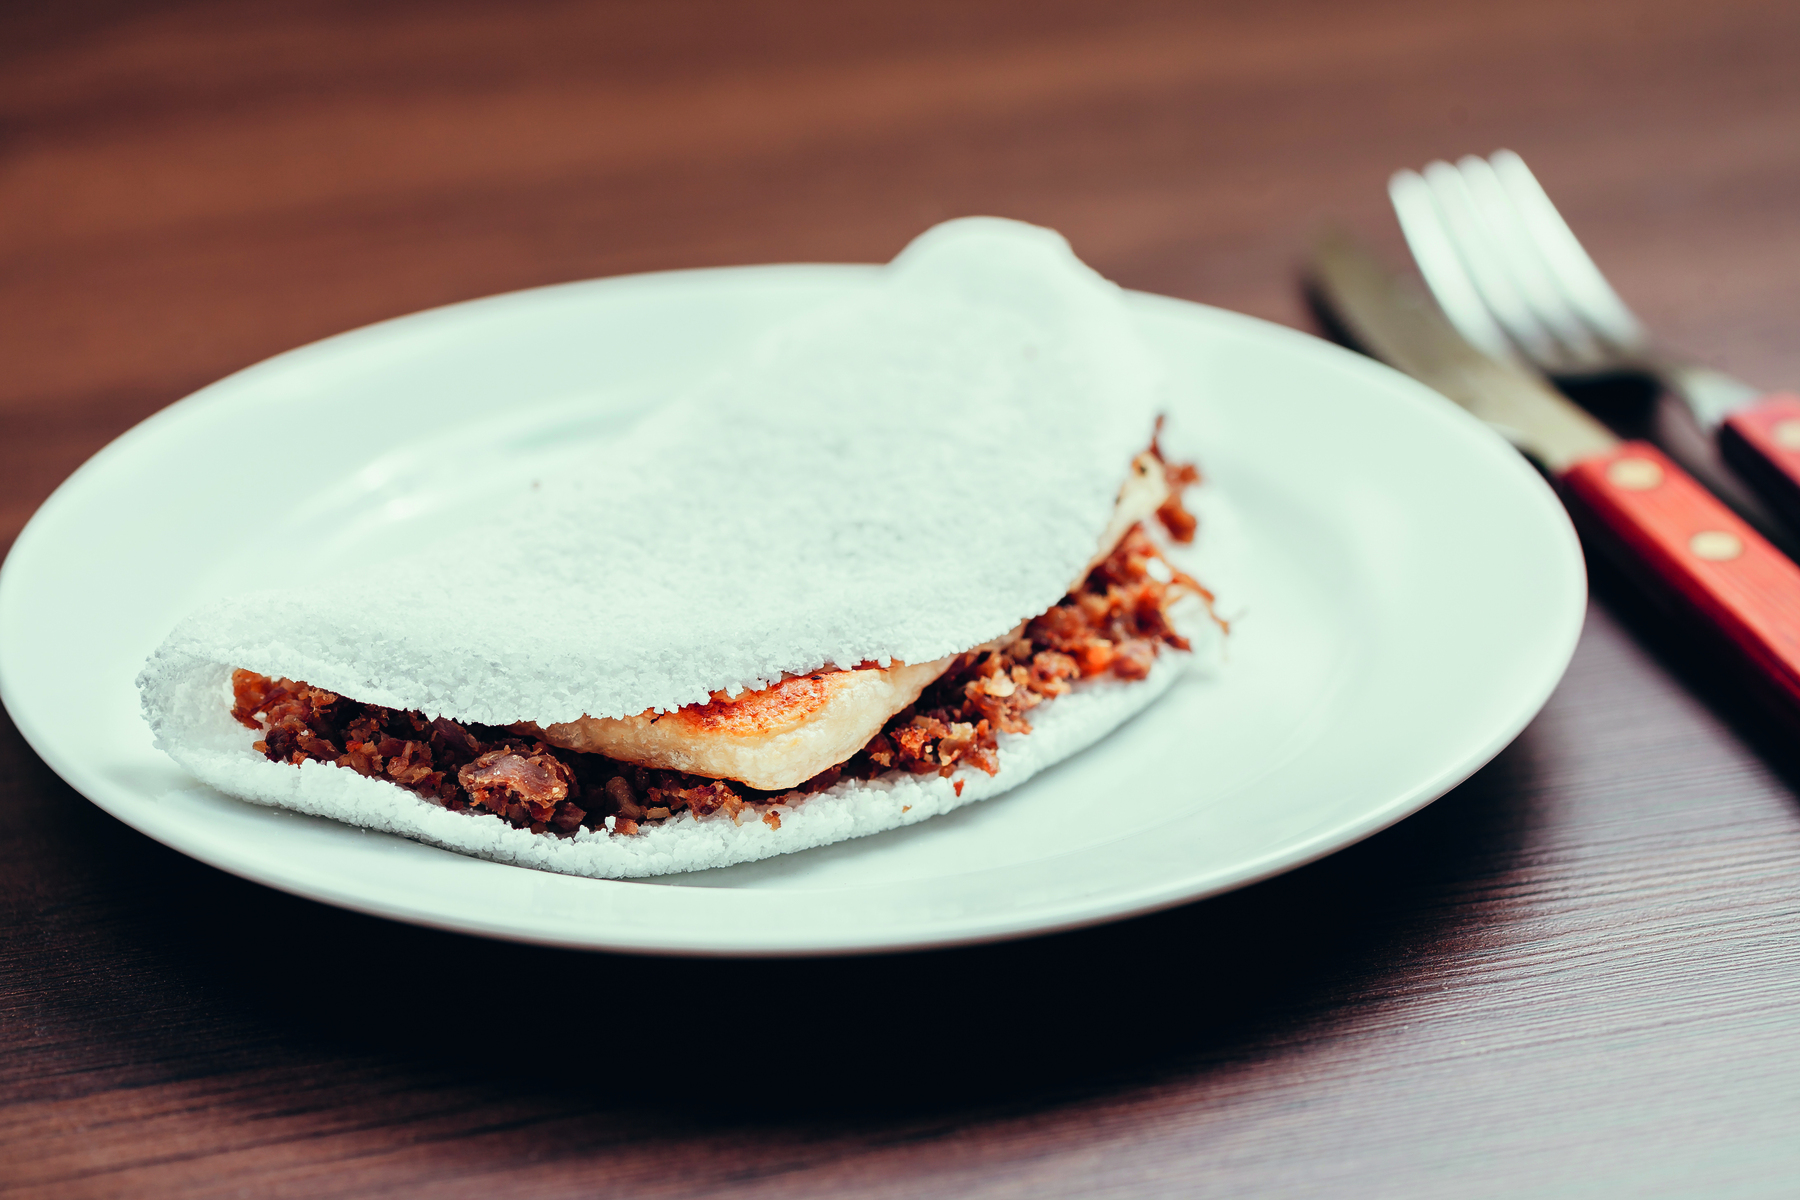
<point>1673,537</point>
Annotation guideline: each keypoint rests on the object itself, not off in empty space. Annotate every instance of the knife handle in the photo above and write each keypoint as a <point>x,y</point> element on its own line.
<point>1761,442</point>
<point>1695,552</point>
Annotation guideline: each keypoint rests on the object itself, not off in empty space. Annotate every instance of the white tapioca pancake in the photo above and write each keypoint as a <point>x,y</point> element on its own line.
<point>899,477</point>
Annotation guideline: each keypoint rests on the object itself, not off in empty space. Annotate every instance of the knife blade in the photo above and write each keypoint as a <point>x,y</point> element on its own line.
<point>1405,328</point>
<point>1676,539</point>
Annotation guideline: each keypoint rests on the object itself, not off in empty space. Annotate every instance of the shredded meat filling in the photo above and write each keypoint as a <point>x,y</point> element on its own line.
<point>1114,625</point>
<point>1180,476</point>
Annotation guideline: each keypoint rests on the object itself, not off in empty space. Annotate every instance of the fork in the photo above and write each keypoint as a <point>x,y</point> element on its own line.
<point>1513,279</point>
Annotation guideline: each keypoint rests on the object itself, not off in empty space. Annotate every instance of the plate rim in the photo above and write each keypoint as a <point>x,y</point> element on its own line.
<point>1141,901</point>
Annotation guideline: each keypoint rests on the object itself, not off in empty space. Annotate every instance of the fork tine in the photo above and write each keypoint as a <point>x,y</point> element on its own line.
<point>1517,254</point>
<point>1474,244</point>
<point>1444,274</point>
<point>1581,281</point>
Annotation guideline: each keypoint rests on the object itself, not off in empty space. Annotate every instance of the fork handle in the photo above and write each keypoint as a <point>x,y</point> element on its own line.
<point>1693,554</point>
<point>1761,442</point>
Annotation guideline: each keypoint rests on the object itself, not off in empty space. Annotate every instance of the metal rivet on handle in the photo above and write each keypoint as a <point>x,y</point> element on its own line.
<point>1715,545</point>
<point>1634,474</point>
<point>1787,434</point>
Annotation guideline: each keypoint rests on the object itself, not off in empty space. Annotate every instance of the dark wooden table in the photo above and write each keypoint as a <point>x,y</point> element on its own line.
<point>1576,974</point>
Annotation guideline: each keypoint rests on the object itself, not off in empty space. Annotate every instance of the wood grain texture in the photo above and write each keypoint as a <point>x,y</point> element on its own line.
<point>1573,975</point>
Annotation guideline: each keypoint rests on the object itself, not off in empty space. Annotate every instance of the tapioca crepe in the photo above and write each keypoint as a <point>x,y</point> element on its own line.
<point>906,497</point>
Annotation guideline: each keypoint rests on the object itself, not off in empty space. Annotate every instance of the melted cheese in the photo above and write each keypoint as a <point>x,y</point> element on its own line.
<point>771,739</point>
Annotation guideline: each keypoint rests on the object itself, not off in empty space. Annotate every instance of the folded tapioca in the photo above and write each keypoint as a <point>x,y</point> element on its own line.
<point>896,558</point>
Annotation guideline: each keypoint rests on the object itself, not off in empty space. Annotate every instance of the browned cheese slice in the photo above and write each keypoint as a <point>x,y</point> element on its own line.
<point>781,736</point>
<point>771,739</point>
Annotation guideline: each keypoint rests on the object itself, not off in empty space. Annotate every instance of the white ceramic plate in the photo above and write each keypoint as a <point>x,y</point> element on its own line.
<point>1406,593</point>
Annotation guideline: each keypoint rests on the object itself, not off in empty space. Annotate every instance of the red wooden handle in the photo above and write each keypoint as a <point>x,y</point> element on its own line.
<point>1761,441</point>
<point>1699,552</point>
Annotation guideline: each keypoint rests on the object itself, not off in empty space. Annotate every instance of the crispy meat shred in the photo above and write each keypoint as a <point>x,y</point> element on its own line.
<point>1114,625</point>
